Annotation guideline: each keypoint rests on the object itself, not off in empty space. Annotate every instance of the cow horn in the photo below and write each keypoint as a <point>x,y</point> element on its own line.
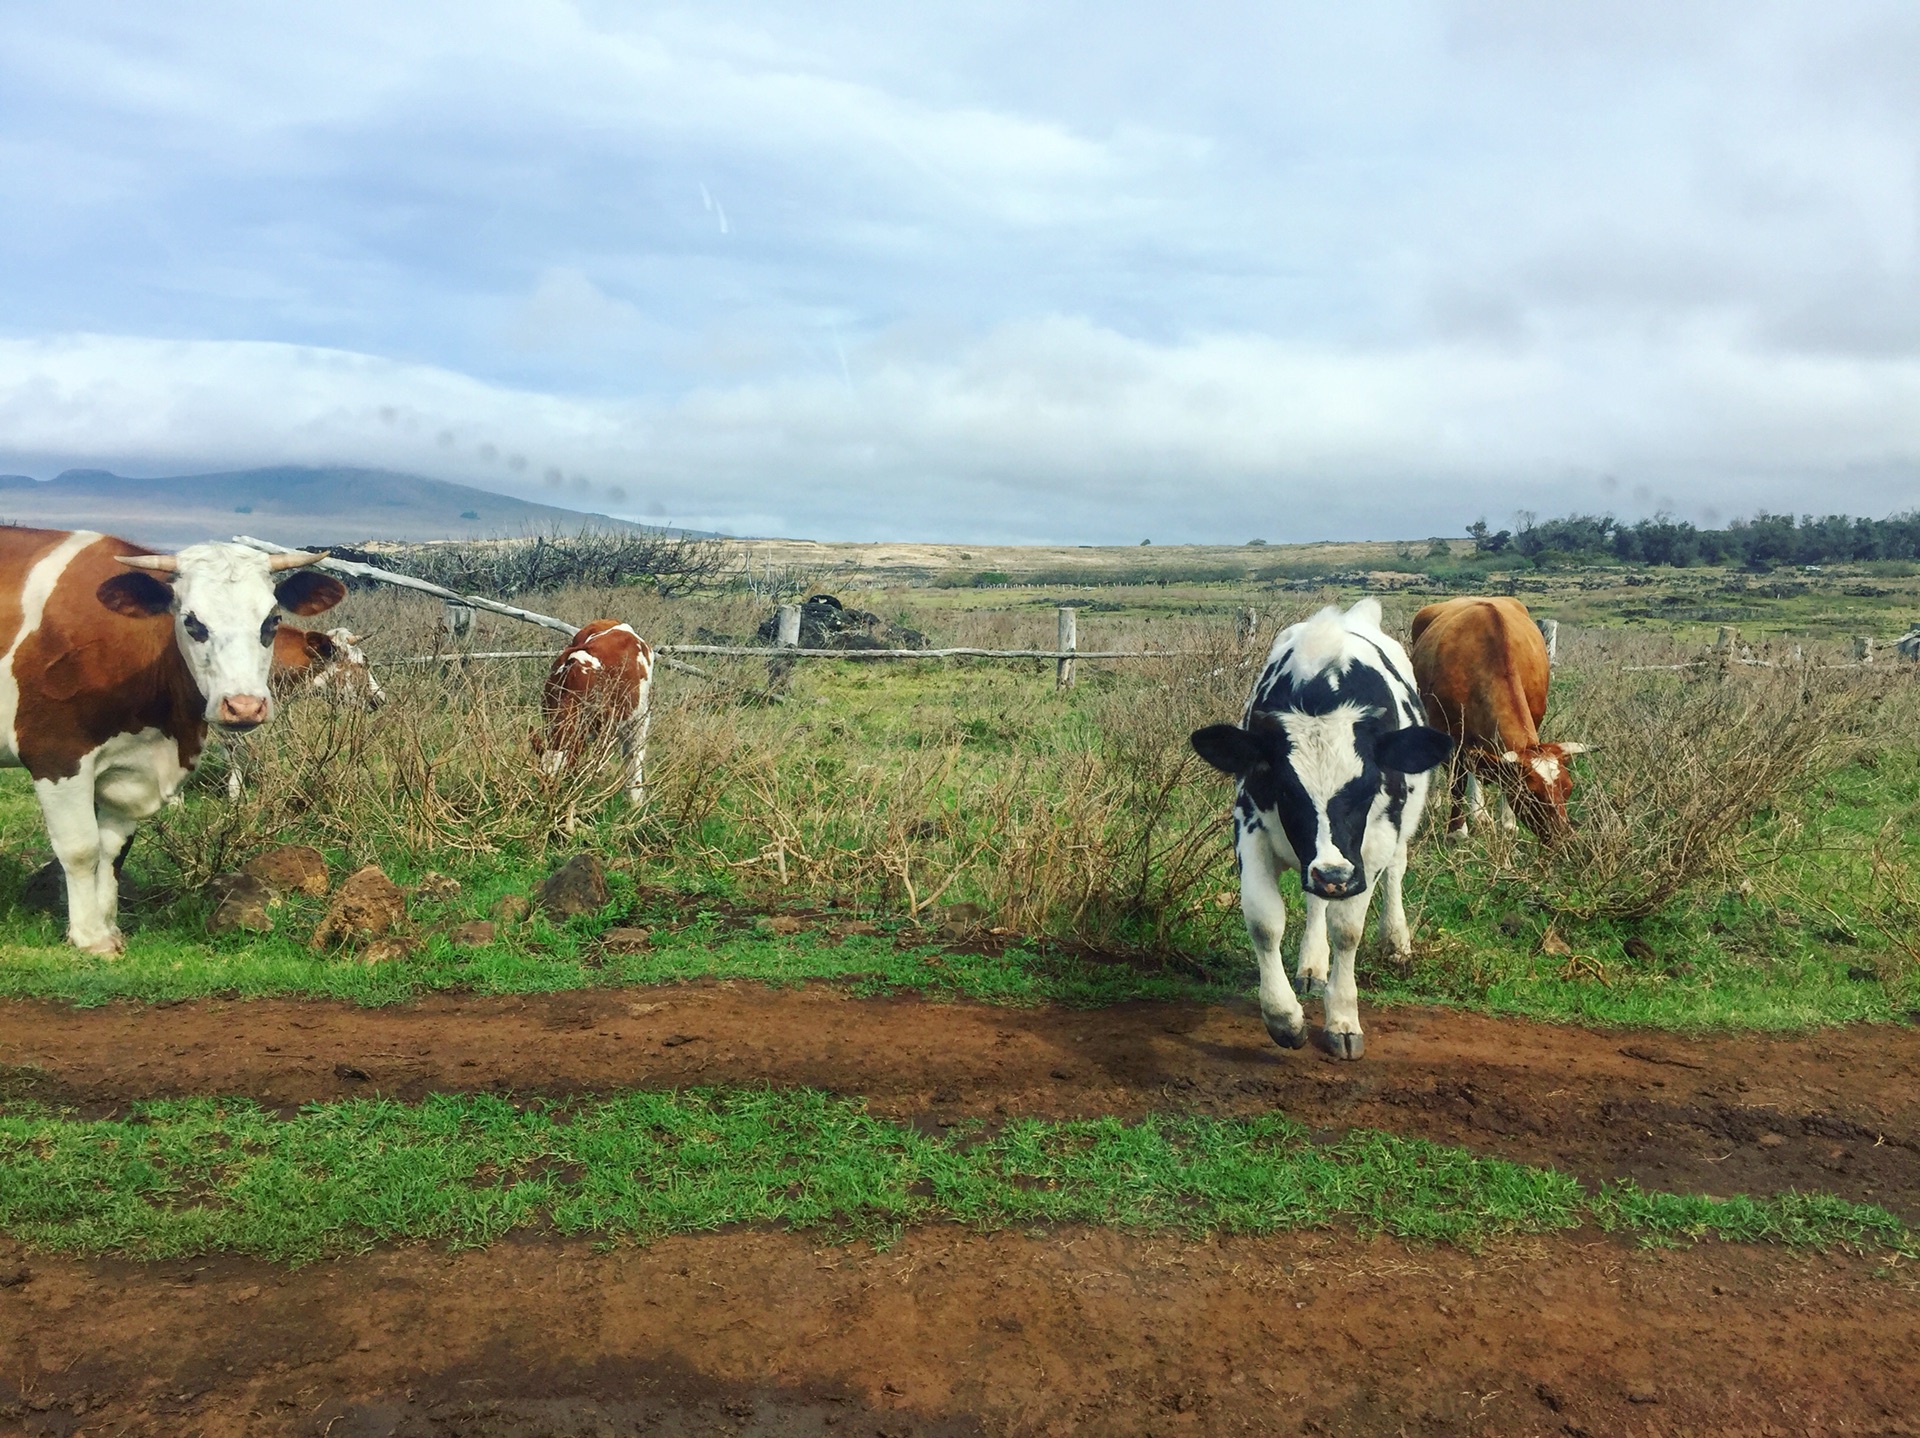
<point>165,563</point>
<point>1510,757</point>
<point>1576,747</point>
<point>292,560</point>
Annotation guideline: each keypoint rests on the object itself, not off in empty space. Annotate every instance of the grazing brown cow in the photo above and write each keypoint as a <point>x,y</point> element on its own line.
<point>600,684</point>
<point>1481,666</point>
<point>114,661</point>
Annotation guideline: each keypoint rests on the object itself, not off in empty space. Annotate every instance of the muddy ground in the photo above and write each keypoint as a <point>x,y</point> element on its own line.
<point>1075,1332</point>
<point>1838,1110</point>
<point>951,1332</point>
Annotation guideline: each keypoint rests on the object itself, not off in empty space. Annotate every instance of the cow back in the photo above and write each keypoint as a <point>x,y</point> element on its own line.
<point>1482,671</point>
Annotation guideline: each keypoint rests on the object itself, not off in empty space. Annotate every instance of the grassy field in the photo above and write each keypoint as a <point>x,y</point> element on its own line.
<point>967,829</point>
<point>204,1175</point>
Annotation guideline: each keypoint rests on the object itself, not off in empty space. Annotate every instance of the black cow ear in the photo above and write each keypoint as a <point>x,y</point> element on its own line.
<point>1228,747</point>
<point>305,592</point>
<point>1412,750</point>
<point>136,594</point>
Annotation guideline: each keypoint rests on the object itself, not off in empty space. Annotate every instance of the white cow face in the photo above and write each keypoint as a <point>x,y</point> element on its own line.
<point>224,598</point>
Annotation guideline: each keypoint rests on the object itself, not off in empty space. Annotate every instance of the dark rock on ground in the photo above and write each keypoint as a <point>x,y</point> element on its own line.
<point>826,623</point>
<point>367,906</point>
<point>578,886</point>
<point>291,869</point>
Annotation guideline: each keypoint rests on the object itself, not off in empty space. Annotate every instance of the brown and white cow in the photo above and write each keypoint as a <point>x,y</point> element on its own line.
<point>1482,667</point>
<point>600,685</point>
<point>114,660</point>
<point>327,662</point>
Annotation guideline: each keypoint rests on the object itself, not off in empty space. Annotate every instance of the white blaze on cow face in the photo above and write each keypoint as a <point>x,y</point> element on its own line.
<point>1324,758</point>
<point>223,601</point>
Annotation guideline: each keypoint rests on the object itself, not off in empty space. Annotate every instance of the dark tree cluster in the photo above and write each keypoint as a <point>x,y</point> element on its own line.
<point>1763,542</point>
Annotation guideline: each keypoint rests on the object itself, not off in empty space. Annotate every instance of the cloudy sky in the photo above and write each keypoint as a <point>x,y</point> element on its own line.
<point>1079,272</point>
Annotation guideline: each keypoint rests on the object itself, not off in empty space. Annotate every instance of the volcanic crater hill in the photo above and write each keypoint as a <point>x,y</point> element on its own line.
<point>287,503</point>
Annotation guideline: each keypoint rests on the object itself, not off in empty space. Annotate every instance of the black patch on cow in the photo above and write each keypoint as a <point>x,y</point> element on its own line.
<point>307,591</point>
<point>136,594</point>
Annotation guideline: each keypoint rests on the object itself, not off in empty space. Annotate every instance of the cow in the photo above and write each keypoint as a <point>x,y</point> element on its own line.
<point>327,662</point>
<point>1482,670</point>
<point>114,662</point>
<point>1332,759</point>
<point>601,683</point>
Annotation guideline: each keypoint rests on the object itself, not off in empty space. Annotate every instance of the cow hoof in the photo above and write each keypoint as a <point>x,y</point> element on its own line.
<point>1311,986</point>
<point>1343,1046</point>
<point>111,946</point>
<point>1287,1038</point>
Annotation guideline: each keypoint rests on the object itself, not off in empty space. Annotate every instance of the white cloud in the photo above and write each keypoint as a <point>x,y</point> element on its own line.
<point>1048,429</point>
<point>1065,272</point>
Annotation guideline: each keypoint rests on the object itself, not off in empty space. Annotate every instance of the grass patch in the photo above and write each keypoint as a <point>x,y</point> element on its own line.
<point>206,1175</point>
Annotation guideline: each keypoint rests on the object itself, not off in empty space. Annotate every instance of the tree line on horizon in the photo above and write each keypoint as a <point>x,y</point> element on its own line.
<point>1765,541</point>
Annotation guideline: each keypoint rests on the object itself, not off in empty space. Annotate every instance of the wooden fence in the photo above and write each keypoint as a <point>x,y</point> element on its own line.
<point>457,621</point>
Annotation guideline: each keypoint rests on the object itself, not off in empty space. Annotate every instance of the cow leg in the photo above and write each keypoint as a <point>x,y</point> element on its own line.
<point>553,761</point>
<point>1346,922</point>
<point>1266,915</point>
<point>116,837</point>
<point>1507,819</point>
<point>1462,786</point>
<point>73,828</point>
<point>637,758</point>
<point>1476,801</point>
<point>1311,972</point>
<point>1393,912</point>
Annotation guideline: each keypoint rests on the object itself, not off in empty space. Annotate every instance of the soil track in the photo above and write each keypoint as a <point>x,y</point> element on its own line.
<point>1837,1111</point>
<point>953,1333</point>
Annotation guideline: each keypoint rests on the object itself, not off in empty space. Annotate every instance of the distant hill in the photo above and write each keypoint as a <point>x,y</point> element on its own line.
<point>289,505</point>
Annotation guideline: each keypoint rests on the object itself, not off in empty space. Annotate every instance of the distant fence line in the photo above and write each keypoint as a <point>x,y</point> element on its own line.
<point>458,620</point>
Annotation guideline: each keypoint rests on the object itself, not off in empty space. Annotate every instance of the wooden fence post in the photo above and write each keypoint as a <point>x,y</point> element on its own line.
<point>1550,631</point>
<point>1069,640</point>
<point>1246,625</point>
<point>786,635</point>
<point>1863,648</point>
<point>456,619</point>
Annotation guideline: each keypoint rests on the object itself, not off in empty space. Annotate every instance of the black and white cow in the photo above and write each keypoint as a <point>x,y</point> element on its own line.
<point>1332,760</point>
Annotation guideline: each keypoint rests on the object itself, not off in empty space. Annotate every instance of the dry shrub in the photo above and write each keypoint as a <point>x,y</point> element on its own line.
<point>1684,763</point>
<point>446,766</point>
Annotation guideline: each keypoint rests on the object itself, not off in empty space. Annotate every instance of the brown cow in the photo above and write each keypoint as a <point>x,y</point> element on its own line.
<point>601,683</point>
<point>1481,666</point>
<point>114,661</point>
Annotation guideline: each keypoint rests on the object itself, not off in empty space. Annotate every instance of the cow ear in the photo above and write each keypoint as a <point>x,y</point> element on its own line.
<point>1228,747</point>
<point>305,591</point>
<point>1412,750</point>
<point>136,594</point>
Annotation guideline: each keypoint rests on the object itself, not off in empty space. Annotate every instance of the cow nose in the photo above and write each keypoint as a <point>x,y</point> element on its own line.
<point>242,709</point>
<point>1332,881</point>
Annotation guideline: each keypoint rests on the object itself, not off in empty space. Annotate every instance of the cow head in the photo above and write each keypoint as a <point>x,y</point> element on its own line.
<point>1321,774</point>
<point>223,598</point>
<point>1538,780</point>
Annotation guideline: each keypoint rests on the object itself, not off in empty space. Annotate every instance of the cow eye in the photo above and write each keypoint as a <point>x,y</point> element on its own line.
<point>268,628</point>
<point>196,631</point>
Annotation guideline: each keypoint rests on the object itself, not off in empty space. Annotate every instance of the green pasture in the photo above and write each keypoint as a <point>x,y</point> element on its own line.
<point>207,1175</point>
<point>936,802</point>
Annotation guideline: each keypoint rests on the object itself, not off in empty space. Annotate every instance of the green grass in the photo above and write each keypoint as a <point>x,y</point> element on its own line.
<point>205,1175</point>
